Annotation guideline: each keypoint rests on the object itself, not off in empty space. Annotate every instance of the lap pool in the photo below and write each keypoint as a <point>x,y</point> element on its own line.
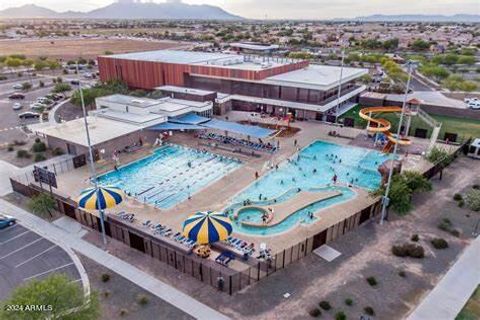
<point>170,175</point>
<point>312,169</point>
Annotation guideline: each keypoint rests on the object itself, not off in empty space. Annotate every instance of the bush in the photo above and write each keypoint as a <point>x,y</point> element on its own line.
<point>39,157</point>
<point>23,154</point>
<point>439,243</point>
<point>461,204</point>
<point>10,148</point>
<point>325,305</point>
<point>123,312</point>
<point>105,277</point>
<point>19,142</point>
<point>473,199</point>
<point>315,312</point>
<point>349,302</point>
<point>415,237</point>
<point>445,225</point>
<point>408,250</point>
<point>476,186</point>
<point>369,310</point>
<point>455,233</point>
<point>142,300</point>
<point>340,315</point>
<point>372,281</point>
<point>402,274</point>
<point>106,293</point>
<point>58,151</point>
<point>457,197</point>
<point>39,147</point>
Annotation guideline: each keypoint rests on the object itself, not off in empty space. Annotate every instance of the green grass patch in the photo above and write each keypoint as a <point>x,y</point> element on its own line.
<point>471,311</point>
<point>464,128</point>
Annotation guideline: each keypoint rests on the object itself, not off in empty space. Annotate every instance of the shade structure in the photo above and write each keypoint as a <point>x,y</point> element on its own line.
<point>100,198</point>
<point>207,227</point>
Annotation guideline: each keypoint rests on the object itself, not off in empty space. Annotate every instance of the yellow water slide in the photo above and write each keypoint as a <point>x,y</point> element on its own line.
<point>383,125</point>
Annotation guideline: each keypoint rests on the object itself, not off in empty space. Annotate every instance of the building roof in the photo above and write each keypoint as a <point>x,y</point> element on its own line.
<point>254,46</point>
<point>101,130</point>
<point>139,102</point>
<point>191,91</point>
<point>220,60</point>
<point>318,77</point>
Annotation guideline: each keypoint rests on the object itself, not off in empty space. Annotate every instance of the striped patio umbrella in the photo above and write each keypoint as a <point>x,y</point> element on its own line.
<point>207,227</point>
<point>100,198</point>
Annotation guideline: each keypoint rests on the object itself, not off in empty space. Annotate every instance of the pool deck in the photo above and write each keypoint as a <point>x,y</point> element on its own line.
<point>285,209</point>
<point>217,195</point>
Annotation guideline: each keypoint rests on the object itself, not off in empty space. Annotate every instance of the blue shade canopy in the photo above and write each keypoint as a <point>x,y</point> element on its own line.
<point>207,227</point>
<point>100,198</point>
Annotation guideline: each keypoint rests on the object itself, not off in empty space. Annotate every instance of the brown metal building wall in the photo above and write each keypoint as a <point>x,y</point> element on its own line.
<point>148,74</point>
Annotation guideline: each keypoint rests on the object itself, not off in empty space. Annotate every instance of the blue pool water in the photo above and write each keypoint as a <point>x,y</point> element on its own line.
<point>312,169</point>
<point>170,174</point>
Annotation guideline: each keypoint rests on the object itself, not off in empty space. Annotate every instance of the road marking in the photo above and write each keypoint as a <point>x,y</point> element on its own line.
<point>35,256</point>
<point>17,236</point>
<point>48,271</point>
<point>19,249</point>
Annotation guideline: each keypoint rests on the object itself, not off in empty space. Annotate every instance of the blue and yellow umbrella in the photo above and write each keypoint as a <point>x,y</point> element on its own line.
<point>207,227</point>
<point>100,198</point>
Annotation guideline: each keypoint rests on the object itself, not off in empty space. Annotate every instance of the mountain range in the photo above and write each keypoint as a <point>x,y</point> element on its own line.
<point>176,9</point>
<point>126,10</point>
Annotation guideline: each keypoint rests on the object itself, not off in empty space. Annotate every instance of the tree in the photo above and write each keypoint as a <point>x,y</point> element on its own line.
<point>435,71</point>
<point>61,87</point>
<point>65,297</point>
<point>466,60</point>
<point>42,204</point>
<point>473,199</point>
<point>300,55</point>
<point>402,188</point>
<point>420,45</point>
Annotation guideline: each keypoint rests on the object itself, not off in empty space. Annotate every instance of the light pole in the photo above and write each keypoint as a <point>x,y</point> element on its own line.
<point>90,153</point>
<point>385,199</point>
<point>339,85</point>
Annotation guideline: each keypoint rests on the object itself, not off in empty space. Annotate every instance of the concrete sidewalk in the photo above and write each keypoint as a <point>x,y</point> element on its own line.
<point>450,295</point>
<point>160,289</point>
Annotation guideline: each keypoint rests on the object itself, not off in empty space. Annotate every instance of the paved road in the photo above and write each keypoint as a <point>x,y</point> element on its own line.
<point>169,294</point>
<point>450,295</point>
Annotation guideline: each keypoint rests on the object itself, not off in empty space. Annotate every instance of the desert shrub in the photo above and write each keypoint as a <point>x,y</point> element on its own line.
<point>461,203</point>
<point>408,250</point>
<point>457,197</point>
<point>58,151</point>
<point>340,315</point>
<point>10,148</point>
<point>372,281</point>
<point>473,199</point>
<point>39,157</point>
<point>105,277</point>
<point>39,147</point>
<point>415,237</point>
<point>325,305</point>
<point>402,274</point>
<point>445,225</point>
<point>23,154</point>
<point>19,142</point>
<point>315,312</point>
<point>476,186</point>
<point>369,310</point>
<point>455,233</point>
<point>106,293</point>
<point>349,302</point>
<point>123,312</point>
<point>439,243</point>
<point>142,300</point>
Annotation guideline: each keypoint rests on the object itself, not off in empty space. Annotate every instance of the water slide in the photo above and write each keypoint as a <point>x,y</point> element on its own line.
<point>383,125</point>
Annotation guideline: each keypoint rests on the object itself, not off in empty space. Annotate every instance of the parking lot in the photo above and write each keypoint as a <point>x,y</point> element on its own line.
<point>24,255</point>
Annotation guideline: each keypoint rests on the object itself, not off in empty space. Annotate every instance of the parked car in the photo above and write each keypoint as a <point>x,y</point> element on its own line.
<point>6,221</point>
<point>75,82</point>
<point>17,86</point>
<point>16,96</point>
<point>29,115</point>
<point>17,106</point>
<point>475,105</point>
<point>468,100</point>
<point>38,105</point>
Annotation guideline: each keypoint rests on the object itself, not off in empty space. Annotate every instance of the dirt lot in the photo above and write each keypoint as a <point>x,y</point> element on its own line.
<point>87,48</point>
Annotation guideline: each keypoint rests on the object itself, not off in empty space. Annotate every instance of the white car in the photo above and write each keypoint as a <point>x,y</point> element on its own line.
<point>17,106</point>
<point>37,105</point>
<point>468,100</point>
<point>17,86</point>
<point>475,105</point>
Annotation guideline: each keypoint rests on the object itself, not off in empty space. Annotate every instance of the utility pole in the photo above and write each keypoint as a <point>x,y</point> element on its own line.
<point>339,85</point>
<point>385,198</point>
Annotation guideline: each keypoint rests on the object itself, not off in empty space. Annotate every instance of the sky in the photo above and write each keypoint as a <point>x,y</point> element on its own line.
<point>290,9</point>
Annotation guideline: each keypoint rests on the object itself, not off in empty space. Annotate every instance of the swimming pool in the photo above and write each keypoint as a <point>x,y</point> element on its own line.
<point>170,175</point>
<point>312,169</point>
